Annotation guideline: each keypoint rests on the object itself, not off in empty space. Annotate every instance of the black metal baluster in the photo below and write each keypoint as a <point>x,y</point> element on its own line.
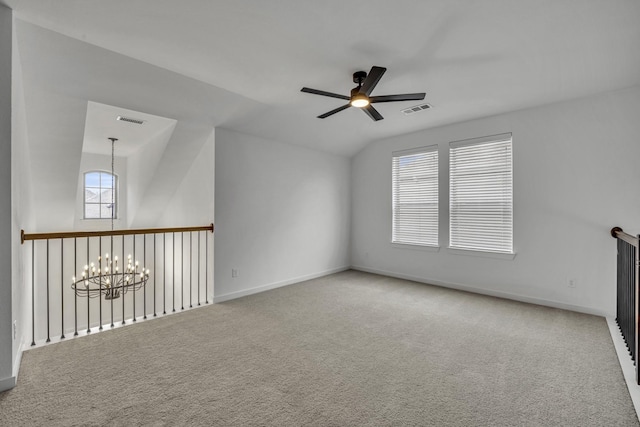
<point>113,276</point>
<point>636,285</point>
<point>48,337</point>
<point>75,294</point>
<point>144,266</point>
<point>122,290</point>
<point>33,293</point>
<point>206,267</point>
<point>618,293</point>
<point>629,324</point>
<point>89,272</point>
<point>100,281</point>
<point>632,317</point>
<point>624,290</point>
<point>199,232</point>
<point>627,295</point>
<point>62,286</point>
<point>182,269</point>
<point>190,269</point>
<point>135,271</point>
<point>629,302</point>
<point>621,291</point>
<point>155,260</point>
<point>164,274</point>
<point>173,269</point>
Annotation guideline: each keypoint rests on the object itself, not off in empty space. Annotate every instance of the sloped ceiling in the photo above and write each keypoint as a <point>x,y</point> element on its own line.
<point>62,75</point>
<point>240,65</point>
<point>472,58</point>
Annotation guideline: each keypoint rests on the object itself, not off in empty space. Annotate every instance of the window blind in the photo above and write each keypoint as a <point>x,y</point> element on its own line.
<point>481,194</point>
<point>415,196</point>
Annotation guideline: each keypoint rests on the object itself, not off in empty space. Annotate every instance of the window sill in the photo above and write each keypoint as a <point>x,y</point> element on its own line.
<point>417,247</point>
<point>482,254</point>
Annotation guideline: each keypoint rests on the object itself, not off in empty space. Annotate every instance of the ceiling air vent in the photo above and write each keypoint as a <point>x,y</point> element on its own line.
<point>130,120</point>
<point>416,109</point>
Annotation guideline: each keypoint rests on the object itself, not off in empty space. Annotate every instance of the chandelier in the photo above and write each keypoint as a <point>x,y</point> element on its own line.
<point>106,277</point>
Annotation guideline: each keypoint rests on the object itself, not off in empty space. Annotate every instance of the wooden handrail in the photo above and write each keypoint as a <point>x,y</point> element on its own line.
<point>71,234</point>
<point>617,233</point>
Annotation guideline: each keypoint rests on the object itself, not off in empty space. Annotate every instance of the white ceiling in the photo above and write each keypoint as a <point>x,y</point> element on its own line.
<point>472,58</point>
<point>103,120</point>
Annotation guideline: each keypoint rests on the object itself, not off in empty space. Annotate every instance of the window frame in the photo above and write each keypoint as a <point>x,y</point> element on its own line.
<point>429,246</point>
<point>115,189</point>
<point>507,253</point>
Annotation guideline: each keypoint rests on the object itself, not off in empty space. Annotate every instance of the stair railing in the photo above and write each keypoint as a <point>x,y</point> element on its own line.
<point>628,291</point>
<point>78,277</point>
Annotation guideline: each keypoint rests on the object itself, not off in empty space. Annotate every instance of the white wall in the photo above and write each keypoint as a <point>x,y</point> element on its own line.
<point>282,214</point>
<point>576,176</point>
<point>141,168</point>
<point>6,335</point>
<point>22,213</point>
<point>193,202</point>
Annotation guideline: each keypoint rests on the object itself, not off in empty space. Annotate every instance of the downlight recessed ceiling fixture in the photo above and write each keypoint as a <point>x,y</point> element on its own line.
<point>360,95</point>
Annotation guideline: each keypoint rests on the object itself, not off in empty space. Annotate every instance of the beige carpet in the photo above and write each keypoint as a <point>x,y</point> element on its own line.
<point>348,349</point>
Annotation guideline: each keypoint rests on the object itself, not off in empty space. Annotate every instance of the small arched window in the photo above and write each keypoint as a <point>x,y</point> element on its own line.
<point>100,195</point>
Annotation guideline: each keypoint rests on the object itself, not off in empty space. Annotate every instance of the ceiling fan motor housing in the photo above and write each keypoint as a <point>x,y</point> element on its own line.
<point>355,91</point>
<point>359,76</point>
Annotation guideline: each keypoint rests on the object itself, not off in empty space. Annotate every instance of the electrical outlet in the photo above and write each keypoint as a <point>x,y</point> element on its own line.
<point>234,272</point>
<point>572,283</point>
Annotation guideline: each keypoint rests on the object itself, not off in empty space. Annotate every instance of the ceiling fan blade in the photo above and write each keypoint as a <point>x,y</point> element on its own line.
<point>323,93</point>
<point>403,97</point>
<point>372,79</point>
<point>332,112</point>
<point>372,112</point>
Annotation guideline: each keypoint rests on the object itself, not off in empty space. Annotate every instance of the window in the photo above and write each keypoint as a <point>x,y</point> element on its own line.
<point>100,195</point>
<point>415,196</point>
<point>481,194</point>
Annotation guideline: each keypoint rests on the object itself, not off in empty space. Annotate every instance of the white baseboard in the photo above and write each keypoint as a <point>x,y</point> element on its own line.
<point>626,364</point>
<point>476,290</point>
<point>9,383</point>
<point>258,289</point>
<point>16,365</point>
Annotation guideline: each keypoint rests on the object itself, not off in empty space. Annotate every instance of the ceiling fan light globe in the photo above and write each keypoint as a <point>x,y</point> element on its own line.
<point>360,102</point>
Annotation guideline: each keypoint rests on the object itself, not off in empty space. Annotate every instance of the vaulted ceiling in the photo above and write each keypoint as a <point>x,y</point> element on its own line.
<point>241,64</point>
<point>472,58</point>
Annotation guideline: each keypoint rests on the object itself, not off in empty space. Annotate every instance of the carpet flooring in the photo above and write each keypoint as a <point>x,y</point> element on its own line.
<point>349,349</point>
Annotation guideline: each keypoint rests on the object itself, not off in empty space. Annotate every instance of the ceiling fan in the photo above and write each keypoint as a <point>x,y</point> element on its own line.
<point>360,95</point>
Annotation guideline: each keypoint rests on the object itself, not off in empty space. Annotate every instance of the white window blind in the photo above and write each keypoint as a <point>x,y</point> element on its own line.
<point>415,196</point>
<point>481,194</point>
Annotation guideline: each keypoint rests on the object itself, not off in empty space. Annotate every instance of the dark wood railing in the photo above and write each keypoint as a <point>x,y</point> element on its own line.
<point>163,281</point>
<point>628,291</point>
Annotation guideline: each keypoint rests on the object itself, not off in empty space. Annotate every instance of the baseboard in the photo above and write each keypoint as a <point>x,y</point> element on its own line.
<point>476,290</point>
<point>626,364</point>
<point>258,289</point>
<point>16,365</point>
<point>9,383</point>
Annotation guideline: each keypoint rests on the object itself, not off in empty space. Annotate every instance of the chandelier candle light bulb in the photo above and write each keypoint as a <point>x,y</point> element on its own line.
<point>109,281</point>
